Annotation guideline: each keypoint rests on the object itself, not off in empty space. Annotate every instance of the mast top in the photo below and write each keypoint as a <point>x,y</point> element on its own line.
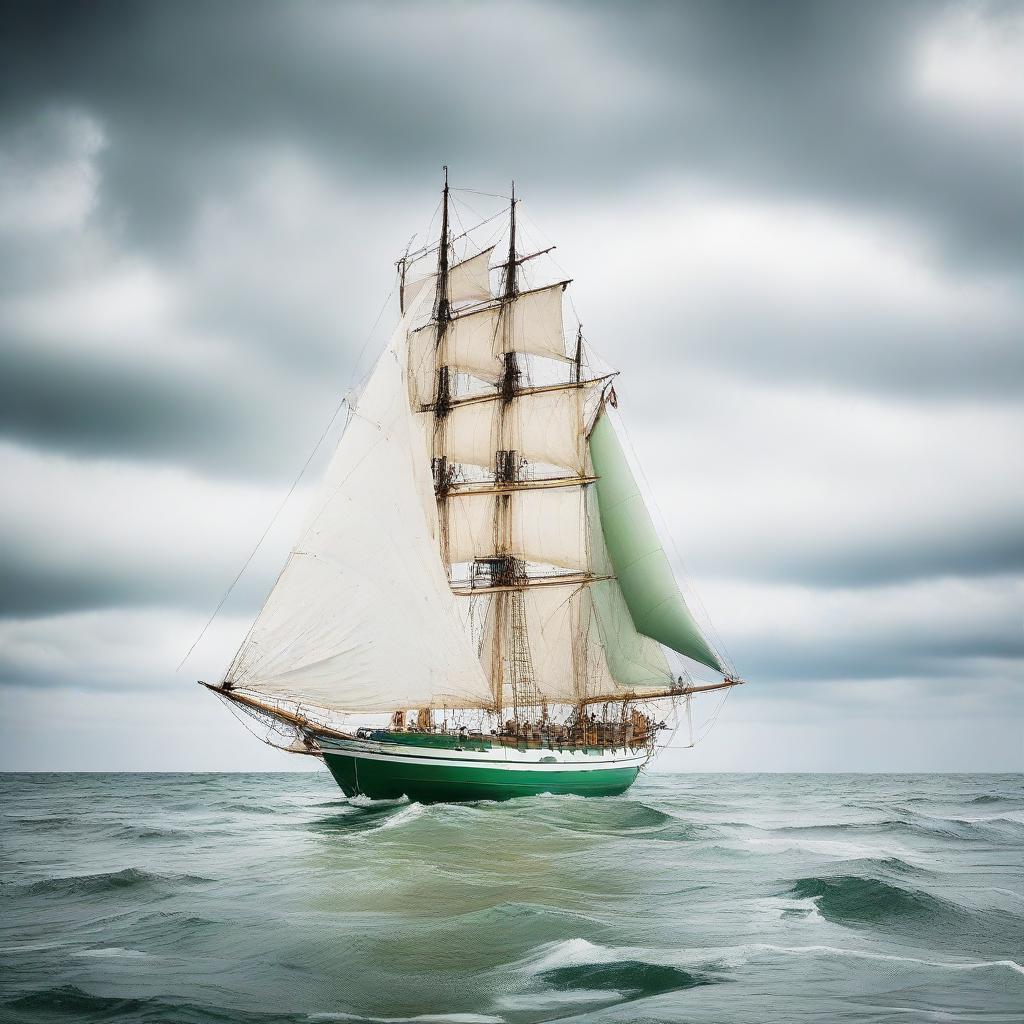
<point>511,284</point>
<point>442,312</point>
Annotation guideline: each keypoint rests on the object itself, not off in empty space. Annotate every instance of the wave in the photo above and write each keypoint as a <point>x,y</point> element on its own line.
<point>147,833</point>
<point>164,926</point>
<point>572,954</point>
<point>866,954</point>
<point>554,999</point>
<point>76,1004</point>
<point>845,899</point>
<point>625,819</point>
<point>838,848</point>
<point>365,816</point>
<point>69,1002</point>
<point>246,808</point>
<point>889,865</point>
<point>402,817</point>
<point>48,823</point>
<point>629,979</point>
<point>112,952</point>
<point>713,960</point>
<point>920,825</point>
<point>113,881</point>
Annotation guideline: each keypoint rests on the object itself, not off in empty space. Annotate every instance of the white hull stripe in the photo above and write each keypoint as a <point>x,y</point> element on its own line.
<point>624,761</point>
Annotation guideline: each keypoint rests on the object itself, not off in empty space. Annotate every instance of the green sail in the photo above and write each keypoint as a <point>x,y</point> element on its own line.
<point>635,662</point>
<point>641,567</point>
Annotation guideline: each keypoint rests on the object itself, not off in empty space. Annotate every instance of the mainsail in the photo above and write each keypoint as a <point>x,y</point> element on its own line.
<point>479,540</point>
<point>362,619</point>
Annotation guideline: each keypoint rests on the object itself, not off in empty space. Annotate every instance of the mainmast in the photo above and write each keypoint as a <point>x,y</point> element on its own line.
<point>511,658</point>
<point>442,381</point>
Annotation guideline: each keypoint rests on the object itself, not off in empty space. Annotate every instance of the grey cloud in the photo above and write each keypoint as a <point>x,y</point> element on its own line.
<point>871,352</point>
<point>32,587</point>
<point>233,424</point>
<point>592,107</point>
<point>192,107</point>
<point>797,98</point>
<point>866,559</point>
<point>774,661</point>
<point>813,98</point>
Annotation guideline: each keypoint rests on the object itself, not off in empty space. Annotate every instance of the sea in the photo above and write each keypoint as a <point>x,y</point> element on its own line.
<point>273,899</point>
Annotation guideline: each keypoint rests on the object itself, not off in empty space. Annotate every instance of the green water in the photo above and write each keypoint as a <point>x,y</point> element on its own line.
<point>266,898</point>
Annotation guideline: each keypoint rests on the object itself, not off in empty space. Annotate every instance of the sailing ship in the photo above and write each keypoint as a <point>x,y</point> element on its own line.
<point>478,605</point>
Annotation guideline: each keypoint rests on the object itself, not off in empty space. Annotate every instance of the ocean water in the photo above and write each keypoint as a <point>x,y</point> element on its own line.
<point>271,898</point>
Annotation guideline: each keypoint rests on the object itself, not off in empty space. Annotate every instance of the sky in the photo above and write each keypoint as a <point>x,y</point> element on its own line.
<point>795,228</point>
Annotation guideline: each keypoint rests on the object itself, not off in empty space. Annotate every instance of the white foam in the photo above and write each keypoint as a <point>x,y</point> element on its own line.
<point>570,952</point>
<point>784,906</point>
<point>920,1011</point>
<point>425,1018</point>
<point>365,801</point>
<point>550,1000</point>
<point>32,947</point>
<point>1008,892</point>
<point>403,817</point>
<point>835,848</point>
<point>115,952</point>
<point>1017,817</point>
<point>863,954</point>
<point>575,952</point>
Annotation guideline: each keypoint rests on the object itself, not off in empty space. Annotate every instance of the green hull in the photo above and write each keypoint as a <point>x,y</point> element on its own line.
<point>429,783</point>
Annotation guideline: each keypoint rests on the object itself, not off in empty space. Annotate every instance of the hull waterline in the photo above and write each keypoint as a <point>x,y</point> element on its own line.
<point>389,771</point>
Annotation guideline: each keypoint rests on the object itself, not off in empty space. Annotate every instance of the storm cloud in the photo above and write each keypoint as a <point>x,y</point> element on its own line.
<point>795,228</point>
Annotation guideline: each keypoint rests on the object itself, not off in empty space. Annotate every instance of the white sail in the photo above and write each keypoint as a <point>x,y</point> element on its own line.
<point>470,280</point>
<point>557,642</point>
<point>547,525</point>
<point>567,653</point>
<point>582,640</point>
<point>422,366</point>
<point>476,343</point>
<point>546,427</point>
<point>412,289</point>
<point>362,618</point>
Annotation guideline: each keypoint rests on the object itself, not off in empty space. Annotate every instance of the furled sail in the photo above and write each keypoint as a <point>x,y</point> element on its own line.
<point>642,569</point>
<point>362,619</point>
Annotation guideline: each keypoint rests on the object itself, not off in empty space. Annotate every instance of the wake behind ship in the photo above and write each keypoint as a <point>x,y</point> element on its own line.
<point>478,605</point>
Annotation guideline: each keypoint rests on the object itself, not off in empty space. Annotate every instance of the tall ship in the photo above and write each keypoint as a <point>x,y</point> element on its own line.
<point>478,604</point>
